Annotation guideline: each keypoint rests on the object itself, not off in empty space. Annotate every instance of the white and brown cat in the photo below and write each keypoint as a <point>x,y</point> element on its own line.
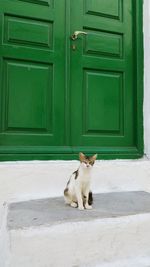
<point>77,192</point>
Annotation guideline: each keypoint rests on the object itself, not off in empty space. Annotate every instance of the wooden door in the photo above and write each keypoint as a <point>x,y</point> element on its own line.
<point>103,78</point>
<point>32,62</point>
<point>59,96</point>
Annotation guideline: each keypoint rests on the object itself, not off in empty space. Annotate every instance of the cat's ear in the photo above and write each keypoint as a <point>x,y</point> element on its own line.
<point>94,157</point>
<point>81,156</point>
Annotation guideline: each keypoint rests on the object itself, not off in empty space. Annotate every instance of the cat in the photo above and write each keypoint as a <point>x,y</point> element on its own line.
<point>77,192</point>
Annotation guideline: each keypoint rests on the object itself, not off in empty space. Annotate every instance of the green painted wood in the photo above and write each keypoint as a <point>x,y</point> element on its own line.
<point>33,73</point>
<point>35,114</point>
<point>108,9</point>
<point>98,107</point>
<point>103,85</point>
<point>103,44</point>
<point>57,101</point>
<point>28,32</point>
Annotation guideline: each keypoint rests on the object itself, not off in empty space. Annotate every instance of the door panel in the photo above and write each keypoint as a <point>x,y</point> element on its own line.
<point>96,99</point>
<point>33,99</point>
<point>32,66</point>
<point>26,32</point>
<point>104,44</point>
<point>102,79</point>
<point>109,9</point>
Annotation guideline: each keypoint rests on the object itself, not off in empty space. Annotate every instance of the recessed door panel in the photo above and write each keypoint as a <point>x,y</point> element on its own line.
<point>101,43</point>
<point>28,100</point>
<point>28,32</point>
<point>110,9</point>
<point>102,106</point>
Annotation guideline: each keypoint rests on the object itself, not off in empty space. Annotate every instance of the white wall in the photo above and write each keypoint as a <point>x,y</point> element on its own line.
<point>146,26</point>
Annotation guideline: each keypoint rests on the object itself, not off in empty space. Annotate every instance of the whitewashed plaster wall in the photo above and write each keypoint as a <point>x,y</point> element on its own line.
<point>146,107</point>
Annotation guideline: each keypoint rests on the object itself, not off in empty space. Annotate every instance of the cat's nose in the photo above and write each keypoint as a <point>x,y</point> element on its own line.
<point>88,165</point>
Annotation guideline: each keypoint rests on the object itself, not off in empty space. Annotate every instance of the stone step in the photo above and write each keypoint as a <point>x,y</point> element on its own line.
<point>47,233</point>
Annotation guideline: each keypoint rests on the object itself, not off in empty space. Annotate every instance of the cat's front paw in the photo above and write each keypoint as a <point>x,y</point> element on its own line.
<point>74,204</point>
<point>81,208</point>
<point>88,207</point>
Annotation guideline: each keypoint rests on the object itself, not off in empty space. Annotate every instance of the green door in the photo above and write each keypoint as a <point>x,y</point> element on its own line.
<point>103,80</point>
<point>60,96</point>
<point>32,76</point>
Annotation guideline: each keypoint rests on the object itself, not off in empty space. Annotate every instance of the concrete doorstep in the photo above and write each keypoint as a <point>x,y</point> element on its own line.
<point>48,233</point>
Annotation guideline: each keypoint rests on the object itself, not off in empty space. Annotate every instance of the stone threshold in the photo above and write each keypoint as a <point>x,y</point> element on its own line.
<point>53,211</point>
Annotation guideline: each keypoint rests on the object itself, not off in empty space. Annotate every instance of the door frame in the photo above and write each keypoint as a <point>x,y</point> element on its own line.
<point>66,152</point>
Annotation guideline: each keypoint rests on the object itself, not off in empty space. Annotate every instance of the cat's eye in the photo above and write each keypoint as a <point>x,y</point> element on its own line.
<point>86,162</point>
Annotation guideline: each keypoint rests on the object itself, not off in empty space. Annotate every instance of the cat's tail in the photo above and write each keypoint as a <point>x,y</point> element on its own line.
<point>90,198</point>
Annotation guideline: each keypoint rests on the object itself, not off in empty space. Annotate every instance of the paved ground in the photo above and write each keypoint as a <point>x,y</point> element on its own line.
<point>53,210</point>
